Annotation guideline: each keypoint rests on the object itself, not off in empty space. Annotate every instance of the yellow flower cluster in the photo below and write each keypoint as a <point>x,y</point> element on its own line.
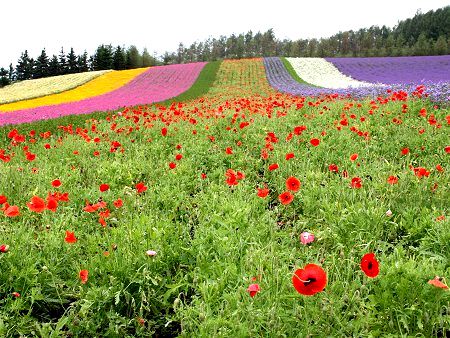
<point>107,82</point>
<point>30,89</point>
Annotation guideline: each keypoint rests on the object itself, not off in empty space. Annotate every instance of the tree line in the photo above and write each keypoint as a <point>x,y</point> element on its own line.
<point>424,34</point>
<point>105,57</point>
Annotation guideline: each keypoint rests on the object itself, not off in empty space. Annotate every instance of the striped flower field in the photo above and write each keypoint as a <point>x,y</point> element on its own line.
<point>258,205</point>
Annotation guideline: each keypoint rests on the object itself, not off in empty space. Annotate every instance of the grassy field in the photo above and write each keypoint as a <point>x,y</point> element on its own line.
<point>177,258</point>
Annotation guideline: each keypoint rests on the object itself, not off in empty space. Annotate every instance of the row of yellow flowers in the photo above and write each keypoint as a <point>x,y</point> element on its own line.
<point>30,89</point>
<point>107,82</point>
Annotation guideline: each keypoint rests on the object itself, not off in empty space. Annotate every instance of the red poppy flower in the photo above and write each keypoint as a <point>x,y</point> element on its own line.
<point>405,151</point>
<point>438,168</point>
<point>178,157</point>
<point>392,180</point>
<point>315,142</point>
<point>52,203</point>
<point>172,165</point>
<point>84,276</point>
<point>437,283</point>
<point>289,156</point>
<point>353,157</point>
<point>118,203</point>
<point>273,166</point>
<point>140,187</point>
<point>309,280</point>
<point>56,183</point>
<point>293,183</point>
<point>104,187</point>
<point>3,199</point>
<point>447,149</point>
<point>203,176</point>
<point>356,183</point>
<point>286,198</point>
<point>4,248</point>
<point>30,156</point>
<point>229,151</point>
<point>36,204</point>
<point>102,221</point>
<point>253,289</point>
<point>333,168</point>
<point>70,237</point>
<point>369,265</point>
<point>263,192</point>
<point>96,153</point>
<point>12,211</point>
<point>164,131</point>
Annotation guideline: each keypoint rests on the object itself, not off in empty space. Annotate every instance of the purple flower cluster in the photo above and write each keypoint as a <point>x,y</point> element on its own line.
<point>281,80</point>
<point>154,85</point>
<point>394,70</point>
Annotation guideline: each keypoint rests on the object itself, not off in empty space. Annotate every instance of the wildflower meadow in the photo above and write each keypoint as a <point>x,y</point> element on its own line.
<point>252,205</point>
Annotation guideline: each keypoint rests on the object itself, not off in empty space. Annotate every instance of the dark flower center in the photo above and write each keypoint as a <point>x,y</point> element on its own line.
<point>370,265</point>
<point>309,281</point>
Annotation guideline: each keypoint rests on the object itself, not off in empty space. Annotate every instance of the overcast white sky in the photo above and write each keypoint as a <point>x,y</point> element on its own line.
<point>161,25</point>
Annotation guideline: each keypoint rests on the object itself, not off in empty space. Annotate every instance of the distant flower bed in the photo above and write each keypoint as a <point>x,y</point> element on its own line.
<point>29,89</point>
<point>154,85</point>
<point>319,72</point>
<point>281,80</point>
<point>392,70</point>
<point>108,81</point>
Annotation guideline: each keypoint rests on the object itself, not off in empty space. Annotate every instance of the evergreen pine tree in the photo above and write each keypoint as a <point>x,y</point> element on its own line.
<point>4,77</point>
<point>11,74</point>
<point>24,68</point>
<point>147,59</point>
<point>119,59</point>
<point>134,58</point>
<point>103,58</point>
<point>82,63</point>
<point>72,66</point>
<point>53,66</point>
<point>63,69</point>
<point>41,66</point>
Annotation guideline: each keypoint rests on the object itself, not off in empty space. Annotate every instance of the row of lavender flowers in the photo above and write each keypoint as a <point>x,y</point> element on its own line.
<point>280,79</point>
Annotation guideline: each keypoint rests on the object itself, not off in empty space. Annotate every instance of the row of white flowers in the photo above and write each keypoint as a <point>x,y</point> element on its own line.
<point>319,72</point>
<point>30,89</point>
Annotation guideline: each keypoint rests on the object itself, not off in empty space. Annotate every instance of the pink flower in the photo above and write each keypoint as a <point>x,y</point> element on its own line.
<point>253,289</point>
<point>150,253</point>
<point>306,237</point>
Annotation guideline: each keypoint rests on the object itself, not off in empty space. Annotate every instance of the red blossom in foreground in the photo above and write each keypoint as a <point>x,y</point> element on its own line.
<point>405,151</point>
<point>12,211</point>
<point>438,283</point>
<point>309,280</point>
<point>447,149</point>
<point>273,166</point>
<point>164,131</point>
<point>421,172</point>
<point>314,142</point>
<point>353,157</point>
<point>15,294</point>
<point>289,156</point>
<point>333,168</point>
<point>52,203</point>
<point>140,187</point>
<point>263,192</point>
<point>84,276</point>
<point>36,204</point>
<point>293,184</point>
<point>172,165</point>
<point>56,183</point>
<point>104,187</point>
<point>3,199</point>
<point>392,180</point>
<point>369,265</point>
<point>4,248</point>
<point>253,289</point>
<point>438,168</point>
<point>70,237</point>
<point>118,203</point>
<point>356,183</point>
<point>286,198</point>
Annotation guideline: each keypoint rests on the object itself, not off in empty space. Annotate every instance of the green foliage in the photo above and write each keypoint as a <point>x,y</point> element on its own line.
<point>292,72</point>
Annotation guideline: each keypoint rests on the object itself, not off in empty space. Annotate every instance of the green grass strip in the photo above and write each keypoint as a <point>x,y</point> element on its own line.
<point>200,87</point>
<point>293,73</point>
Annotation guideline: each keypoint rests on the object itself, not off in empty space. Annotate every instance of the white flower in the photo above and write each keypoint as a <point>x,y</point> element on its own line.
<point>389,213</point>
<point>150,253</point>
<point>319,72</point>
